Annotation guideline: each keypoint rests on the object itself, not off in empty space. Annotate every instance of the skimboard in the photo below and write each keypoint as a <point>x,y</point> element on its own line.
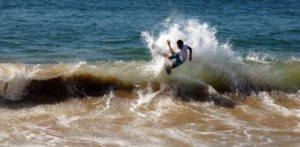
<point>168,68</point>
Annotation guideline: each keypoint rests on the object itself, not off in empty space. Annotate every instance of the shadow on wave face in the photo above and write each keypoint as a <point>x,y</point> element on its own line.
<point>59,89</point>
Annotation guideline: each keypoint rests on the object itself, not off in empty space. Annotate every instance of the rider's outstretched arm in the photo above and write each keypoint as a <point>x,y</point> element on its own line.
<point>171,49</point>
<point>167,56</point>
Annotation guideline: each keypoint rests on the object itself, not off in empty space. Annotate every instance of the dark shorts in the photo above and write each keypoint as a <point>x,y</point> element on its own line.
<point>177,61</point>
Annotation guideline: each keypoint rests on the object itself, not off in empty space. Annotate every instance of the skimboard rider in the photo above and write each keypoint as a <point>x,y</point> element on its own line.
<point>179,56</point>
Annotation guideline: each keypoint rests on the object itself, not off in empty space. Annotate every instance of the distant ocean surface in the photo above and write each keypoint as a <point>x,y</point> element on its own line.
<point>91,73</point>
<point>65,31</point>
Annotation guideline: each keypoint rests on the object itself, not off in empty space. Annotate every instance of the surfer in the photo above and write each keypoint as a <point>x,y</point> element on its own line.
<point>180,56</point>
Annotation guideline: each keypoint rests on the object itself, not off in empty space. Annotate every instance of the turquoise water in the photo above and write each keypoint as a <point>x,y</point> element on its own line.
<point>68,31</point>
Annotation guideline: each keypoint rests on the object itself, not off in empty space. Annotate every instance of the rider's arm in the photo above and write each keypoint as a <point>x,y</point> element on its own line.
<point>191,51</point>
<point>168,57</point>
<point>171,49</point>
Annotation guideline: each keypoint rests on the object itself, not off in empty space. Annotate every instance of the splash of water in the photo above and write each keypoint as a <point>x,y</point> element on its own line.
<point>213,62</point>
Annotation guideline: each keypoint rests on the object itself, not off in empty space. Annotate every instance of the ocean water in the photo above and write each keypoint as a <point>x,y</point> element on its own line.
<point>91,73</point>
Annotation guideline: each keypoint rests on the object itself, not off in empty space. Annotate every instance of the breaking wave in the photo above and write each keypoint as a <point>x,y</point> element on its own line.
<point>215,69</point>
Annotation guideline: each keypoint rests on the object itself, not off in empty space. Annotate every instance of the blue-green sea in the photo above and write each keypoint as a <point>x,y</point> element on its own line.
<point>39,31</point>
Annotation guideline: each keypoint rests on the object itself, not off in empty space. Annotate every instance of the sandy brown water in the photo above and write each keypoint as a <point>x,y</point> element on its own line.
<point>154,118</point>
<point>83,105</point>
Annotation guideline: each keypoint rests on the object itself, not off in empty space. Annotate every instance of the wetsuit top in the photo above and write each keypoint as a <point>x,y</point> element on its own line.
<point>180,56</point>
